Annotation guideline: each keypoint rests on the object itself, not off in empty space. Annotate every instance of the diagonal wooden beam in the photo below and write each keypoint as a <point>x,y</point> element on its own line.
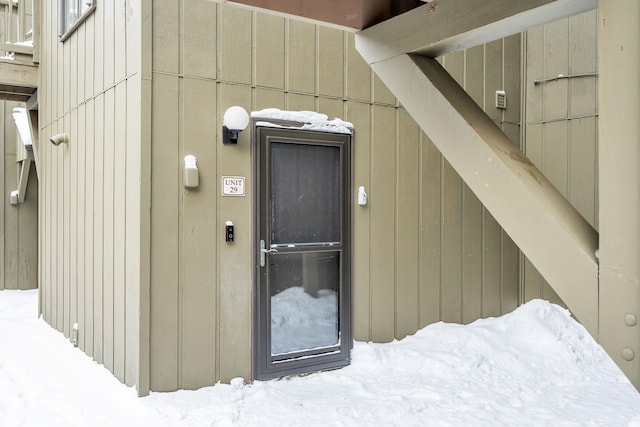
<point>555,237</point>
<point>443,26</point>
<point>23,180</point>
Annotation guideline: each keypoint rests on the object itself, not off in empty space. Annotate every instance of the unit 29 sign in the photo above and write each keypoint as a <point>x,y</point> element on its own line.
<point>233,185</point>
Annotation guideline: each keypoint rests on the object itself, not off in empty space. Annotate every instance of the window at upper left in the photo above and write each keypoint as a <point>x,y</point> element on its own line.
<point>72,13</point>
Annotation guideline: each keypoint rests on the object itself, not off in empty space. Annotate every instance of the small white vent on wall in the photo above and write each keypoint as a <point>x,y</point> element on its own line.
<point>501,99</point>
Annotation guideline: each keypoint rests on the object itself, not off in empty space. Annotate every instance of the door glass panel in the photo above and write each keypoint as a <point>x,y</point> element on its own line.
<point>305,193</point>
<point>304,300</point>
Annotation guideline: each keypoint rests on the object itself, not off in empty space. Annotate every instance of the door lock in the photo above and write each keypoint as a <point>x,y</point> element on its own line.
<point>263,251</point>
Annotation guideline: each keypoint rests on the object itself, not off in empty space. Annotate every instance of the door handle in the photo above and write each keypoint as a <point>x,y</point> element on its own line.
<point>264,251</point>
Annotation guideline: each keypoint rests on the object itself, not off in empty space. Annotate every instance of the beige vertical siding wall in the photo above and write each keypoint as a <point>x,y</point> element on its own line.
<point>90,188</point>
<point>112,241</point>
<point>561,118</point>
<point>18,223</point>
<point>424,248</point>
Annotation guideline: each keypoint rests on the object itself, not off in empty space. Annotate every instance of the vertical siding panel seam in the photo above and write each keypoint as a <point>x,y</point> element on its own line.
<point>101,282</point>
<point>217,254</point>
<point>181,281</point>
<point>17,282</point>
<point>181,37</point>
<point>345,62</point>
<point>54,240</point>
<point>316,90</point>
<point>464,69</point>
<point>80,195</point>
<point>502,281</point>
<point>570,147</point>
<point>124,226</point>
<point>524,86</point>
<point>73,210</point>
<point>217,352</point>
<point>180,236</point>
<point>396,213</point>
<point>417,216</point>
<point>86,233</point>
<point>442,219</point>
<point>59,224</point>
<point>371,85</point>
<point>419,240</point>
<point>462,206</point>
<point>568,114</point>
<point>287,60</point>
<point>421,220</point>
<point>49,209</point>
<point>254,44</point>
<point>369,231</point>
<point>521,277</point>
<point>596,181</point>
<point>483,215</point>
<point>542,98</point>
<point>502,119</point>
<point>523,91</point>
<point>218,53</point>
<point>461,262</point>
<point>49,219</point>
<point>216,247</point>
<point>395,221</point>
<point>463,242</point>
<point>73,229</point>
<point>484,77</point>
<point>16,224</point>
<point>372,154</point>
<point>43,238</point>
<point>61,307</point>
<point>502,81</point>
<point>462,209</point>
<point>113,230</point>
<point>346,68</point>
<point>483,210</point>
<point>66,235</point>
<point>47,244</point>
<point>18,246</point>
<point>124,54</point>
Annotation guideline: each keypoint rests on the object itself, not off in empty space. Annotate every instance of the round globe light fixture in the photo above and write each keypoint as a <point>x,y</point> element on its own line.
<point>235,120</point>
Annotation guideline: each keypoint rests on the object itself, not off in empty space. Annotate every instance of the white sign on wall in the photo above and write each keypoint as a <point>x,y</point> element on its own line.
<point>233,186</point>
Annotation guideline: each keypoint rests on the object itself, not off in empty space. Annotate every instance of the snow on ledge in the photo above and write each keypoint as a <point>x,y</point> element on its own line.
<point>27,43</point>
<point>310,120</point>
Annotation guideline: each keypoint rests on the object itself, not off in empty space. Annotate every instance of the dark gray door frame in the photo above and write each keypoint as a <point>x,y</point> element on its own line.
<point>264,364</point>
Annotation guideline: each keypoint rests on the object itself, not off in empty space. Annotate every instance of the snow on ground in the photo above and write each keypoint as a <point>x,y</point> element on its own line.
<point>532,367</point>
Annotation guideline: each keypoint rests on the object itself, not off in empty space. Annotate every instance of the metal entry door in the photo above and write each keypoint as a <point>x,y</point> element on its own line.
<point>302,309</point>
